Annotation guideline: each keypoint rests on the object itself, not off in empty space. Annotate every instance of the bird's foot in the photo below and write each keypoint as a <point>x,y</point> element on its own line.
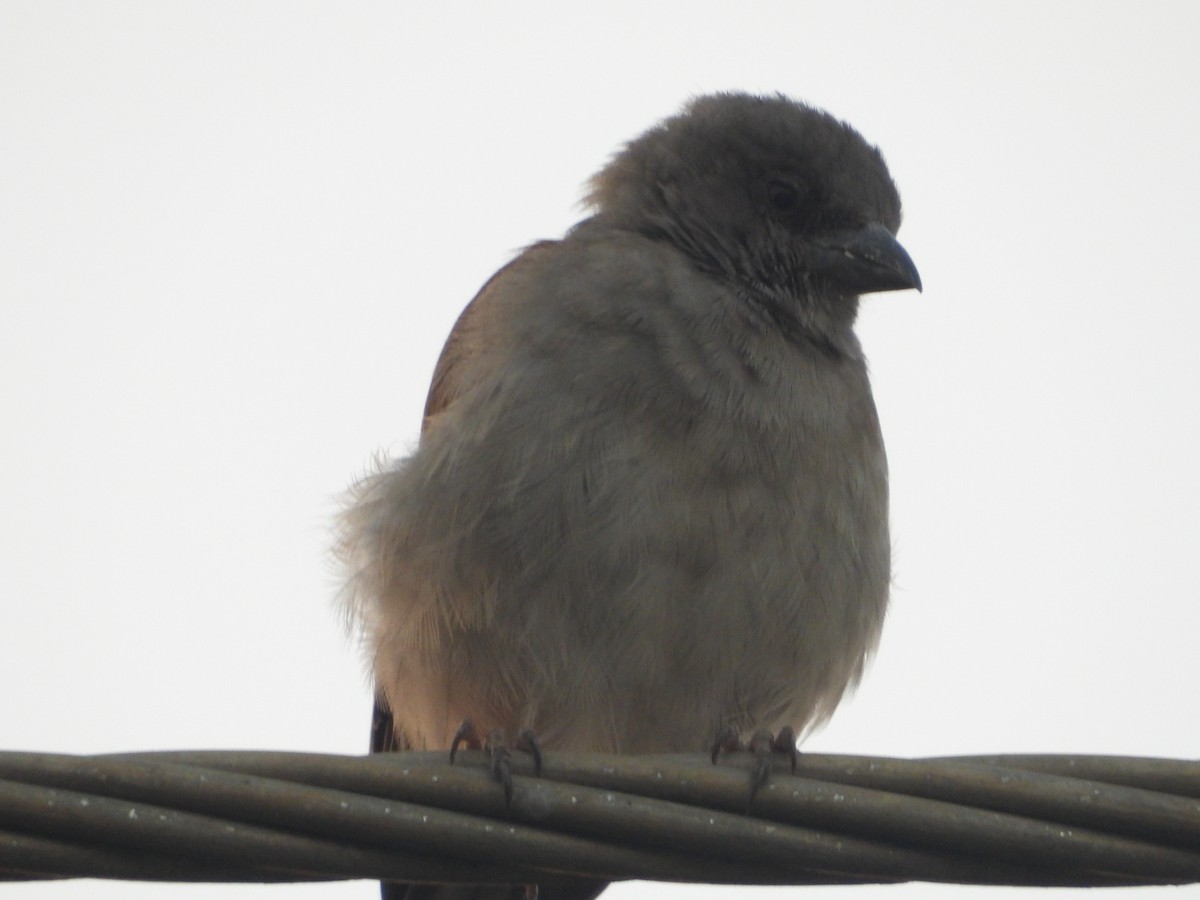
<point>499,752</point>
<point>764,746</point>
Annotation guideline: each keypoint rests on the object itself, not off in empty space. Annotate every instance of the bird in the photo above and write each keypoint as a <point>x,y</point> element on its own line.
<point>649,502</point>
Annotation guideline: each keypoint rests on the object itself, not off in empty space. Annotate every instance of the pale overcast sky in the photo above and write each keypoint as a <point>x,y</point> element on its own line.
<point>233,237</point>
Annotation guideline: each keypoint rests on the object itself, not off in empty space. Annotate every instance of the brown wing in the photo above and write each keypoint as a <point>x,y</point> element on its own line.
<point>470,332</point>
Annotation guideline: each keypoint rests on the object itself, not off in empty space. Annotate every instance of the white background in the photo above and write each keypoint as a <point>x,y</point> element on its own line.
<point>233,237</point>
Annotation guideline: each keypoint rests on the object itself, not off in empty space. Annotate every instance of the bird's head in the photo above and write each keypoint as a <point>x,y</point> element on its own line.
<point>783,200</point>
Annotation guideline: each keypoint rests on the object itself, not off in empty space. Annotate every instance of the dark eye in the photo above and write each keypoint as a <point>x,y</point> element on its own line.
<point>783,196</point>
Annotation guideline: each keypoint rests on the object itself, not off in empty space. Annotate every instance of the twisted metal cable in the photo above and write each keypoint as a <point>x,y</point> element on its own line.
<point>263,816</point>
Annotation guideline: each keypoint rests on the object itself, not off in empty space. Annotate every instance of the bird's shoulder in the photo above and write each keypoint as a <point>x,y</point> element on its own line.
<point>476,327</point>
<point>594,285</point>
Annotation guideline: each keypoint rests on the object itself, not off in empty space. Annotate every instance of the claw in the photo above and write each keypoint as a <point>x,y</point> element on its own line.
<point>497,748</point>
<point>728,740</point>
<point>760,745</point>
<point>528,742</point>
<point>466,734</point>
<point>499,752</point>
<point>763,745</point>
